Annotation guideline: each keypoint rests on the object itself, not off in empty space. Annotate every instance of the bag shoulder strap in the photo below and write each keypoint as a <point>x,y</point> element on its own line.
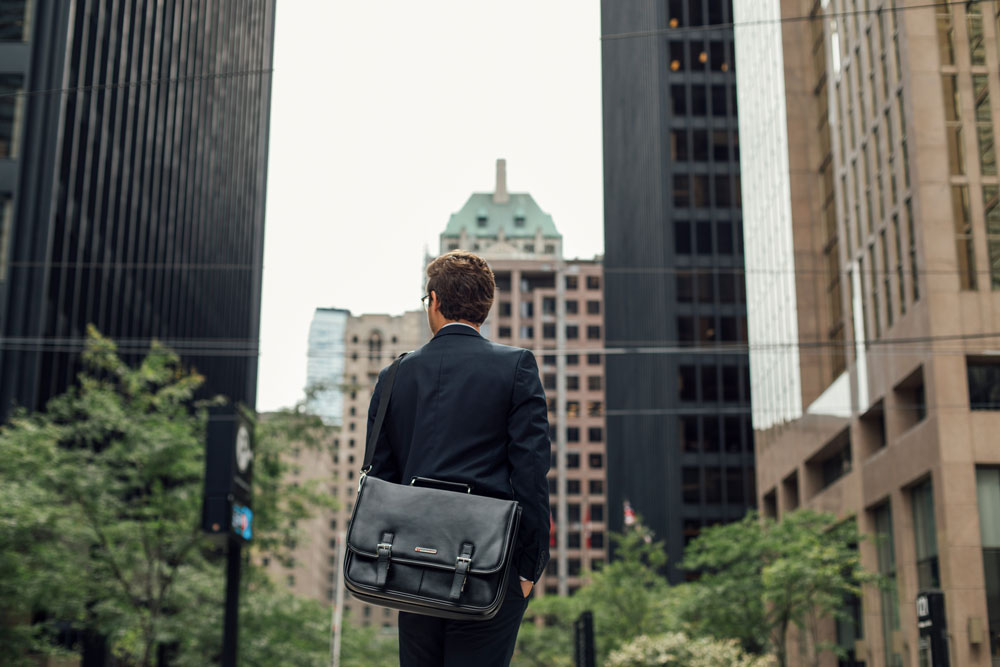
<point>383,405</point>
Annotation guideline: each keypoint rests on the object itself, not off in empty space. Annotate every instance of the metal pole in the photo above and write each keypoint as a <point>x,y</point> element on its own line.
<point>562,514</point>
<point>338,607</point>
<point>231,622</point>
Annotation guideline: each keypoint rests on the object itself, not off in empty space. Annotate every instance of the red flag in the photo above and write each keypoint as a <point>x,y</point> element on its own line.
<point>629,514</point>
<point>586,528</point>
<point>552,531</point>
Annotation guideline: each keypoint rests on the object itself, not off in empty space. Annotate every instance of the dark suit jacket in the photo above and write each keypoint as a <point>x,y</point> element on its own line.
<point>464,409</point>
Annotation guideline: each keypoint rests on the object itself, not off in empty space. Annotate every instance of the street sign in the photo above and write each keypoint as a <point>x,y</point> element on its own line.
<point>933,629</point>
<point>226,507</point>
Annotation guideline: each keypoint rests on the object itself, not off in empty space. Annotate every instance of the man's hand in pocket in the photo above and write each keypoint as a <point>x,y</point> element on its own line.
<point>526,588</point>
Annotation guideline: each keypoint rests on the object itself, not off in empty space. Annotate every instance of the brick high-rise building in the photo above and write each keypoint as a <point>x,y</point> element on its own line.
<point>871,203</point>
<point>523,247</point>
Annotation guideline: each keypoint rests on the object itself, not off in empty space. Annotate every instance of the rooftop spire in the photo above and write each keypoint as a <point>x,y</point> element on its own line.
<point>500,194</point>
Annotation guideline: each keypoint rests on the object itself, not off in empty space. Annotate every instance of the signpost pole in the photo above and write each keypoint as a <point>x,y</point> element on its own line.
<point>231,624</point>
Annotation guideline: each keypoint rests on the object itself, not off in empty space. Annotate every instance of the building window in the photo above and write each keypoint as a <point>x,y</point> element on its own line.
<point>548,331</point>
<point>572,332</point>
<point>573,540</point>
<point>375,346</point>
<point>529,247</point>
<point>984,383</point>
<point>984,125</point>
<point>573,486</point>
<point>886,552</point>
<point>11,104</point>
<point>503,332</point>
<point>690,486</point>
<point>504,309</point>
<point>594,359</point>
<point>594,332</point>
<point>682,191</point>
<point>527,331</point>
<point>687,387</point>
<point>682,237</point>
<point>596,487</point>
<point>572,434</point>
<point>572,460</point>
<point>925,536</point>
<point>595,409</point>
<point>988,495</point>
<point>688,431</point>
<point>593,307</point>
<point>549,305</point>
<point>549,381</point>
<point>573,382</point>
<point>734,486</point>
<point>595,434</point>
<point>593,282</point>
<point>572,359</point>
<point>596,542</point>
<point>290,580</point>
<point>991,206</point>
<point>594,382</point>
<point>572,306</point>
<point>713,486</point>
<point>953,124</point>
<point>572,282</point>
<point>595,461</point>
<point>597,512</point>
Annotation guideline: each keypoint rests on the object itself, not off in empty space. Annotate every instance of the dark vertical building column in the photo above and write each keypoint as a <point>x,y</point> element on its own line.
<point>678,433</point>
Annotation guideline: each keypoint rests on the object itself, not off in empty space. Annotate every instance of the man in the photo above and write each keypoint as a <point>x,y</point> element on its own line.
<point>464,409</point>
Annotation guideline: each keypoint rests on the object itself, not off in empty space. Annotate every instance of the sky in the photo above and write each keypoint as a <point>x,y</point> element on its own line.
<point>385,117</point>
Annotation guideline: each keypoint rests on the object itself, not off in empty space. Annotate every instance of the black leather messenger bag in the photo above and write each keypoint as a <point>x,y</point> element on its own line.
<point>427,550</point>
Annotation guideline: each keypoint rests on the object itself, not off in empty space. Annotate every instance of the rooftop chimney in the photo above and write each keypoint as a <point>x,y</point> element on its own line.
<point>500,195</point>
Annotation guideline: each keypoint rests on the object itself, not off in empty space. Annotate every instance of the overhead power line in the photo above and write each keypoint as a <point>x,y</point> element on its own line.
<point>821,16</point>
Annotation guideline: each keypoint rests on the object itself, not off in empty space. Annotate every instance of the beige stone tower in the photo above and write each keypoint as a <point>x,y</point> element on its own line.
<point>871,206</point>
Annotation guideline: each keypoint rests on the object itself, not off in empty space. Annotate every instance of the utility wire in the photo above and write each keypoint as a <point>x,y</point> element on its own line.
<point>669,270</point>
<point>819,16</point>
<point>250,348</point>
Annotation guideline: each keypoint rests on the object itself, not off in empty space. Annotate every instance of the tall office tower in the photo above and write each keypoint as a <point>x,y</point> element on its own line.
<point>524,249</point>
<point>133,153</point>
<point>680,447</point>
<point>371,342</point>
<point>871,206</point>
<point>325,371</point>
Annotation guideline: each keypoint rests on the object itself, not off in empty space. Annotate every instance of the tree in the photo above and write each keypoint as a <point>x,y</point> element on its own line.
<point>676,649</point>
<point>100,503</point>
<point>628,598</point>
<point>759,577</point>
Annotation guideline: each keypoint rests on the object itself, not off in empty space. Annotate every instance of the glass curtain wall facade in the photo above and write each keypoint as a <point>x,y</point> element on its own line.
<point>325,369</point>
<point>678,395</point>
<point>132,189</point>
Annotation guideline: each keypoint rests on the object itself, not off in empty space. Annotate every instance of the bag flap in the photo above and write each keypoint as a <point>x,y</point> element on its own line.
<point>429,526</point>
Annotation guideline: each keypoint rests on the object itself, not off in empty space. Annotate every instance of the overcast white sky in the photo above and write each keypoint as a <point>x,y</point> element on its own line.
<point>385,117</point>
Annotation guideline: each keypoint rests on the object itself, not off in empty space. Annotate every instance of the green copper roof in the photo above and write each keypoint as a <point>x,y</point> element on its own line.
<point>519,217</point>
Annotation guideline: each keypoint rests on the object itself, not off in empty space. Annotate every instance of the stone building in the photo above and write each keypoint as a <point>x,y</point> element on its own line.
<point>871,204</point>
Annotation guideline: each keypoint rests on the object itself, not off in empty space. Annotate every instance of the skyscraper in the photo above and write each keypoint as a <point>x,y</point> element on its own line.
<point>133,152</point>
<point>325,370</point>
<point>523,247</point>
<point>871,206</point>
<point>680,448</point>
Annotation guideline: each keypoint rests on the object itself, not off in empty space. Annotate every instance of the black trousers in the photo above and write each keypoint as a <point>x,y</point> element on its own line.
<point>428,641</point>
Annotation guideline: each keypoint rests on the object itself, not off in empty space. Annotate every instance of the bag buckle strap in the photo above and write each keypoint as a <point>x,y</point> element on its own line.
<point>384,550</point>
<point>462,565</point>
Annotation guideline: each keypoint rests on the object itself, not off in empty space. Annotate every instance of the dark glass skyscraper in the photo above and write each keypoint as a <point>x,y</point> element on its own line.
<point>133,155</point>
<point>679,438</point>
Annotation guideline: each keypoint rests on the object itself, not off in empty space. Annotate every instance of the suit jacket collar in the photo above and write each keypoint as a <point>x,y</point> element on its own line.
<point>458,329</point>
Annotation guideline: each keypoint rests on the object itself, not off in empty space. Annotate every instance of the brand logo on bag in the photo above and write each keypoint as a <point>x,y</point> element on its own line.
<point>424,550</point>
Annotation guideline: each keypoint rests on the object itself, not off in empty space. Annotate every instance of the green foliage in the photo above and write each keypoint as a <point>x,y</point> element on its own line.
<point>628,598</point>
<point>676,649</point>
<point>100,504</point>
<point>760,577</point>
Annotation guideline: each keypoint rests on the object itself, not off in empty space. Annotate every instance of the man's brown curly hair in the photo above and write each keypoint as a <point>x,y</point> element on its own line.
<point>464,285</point>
